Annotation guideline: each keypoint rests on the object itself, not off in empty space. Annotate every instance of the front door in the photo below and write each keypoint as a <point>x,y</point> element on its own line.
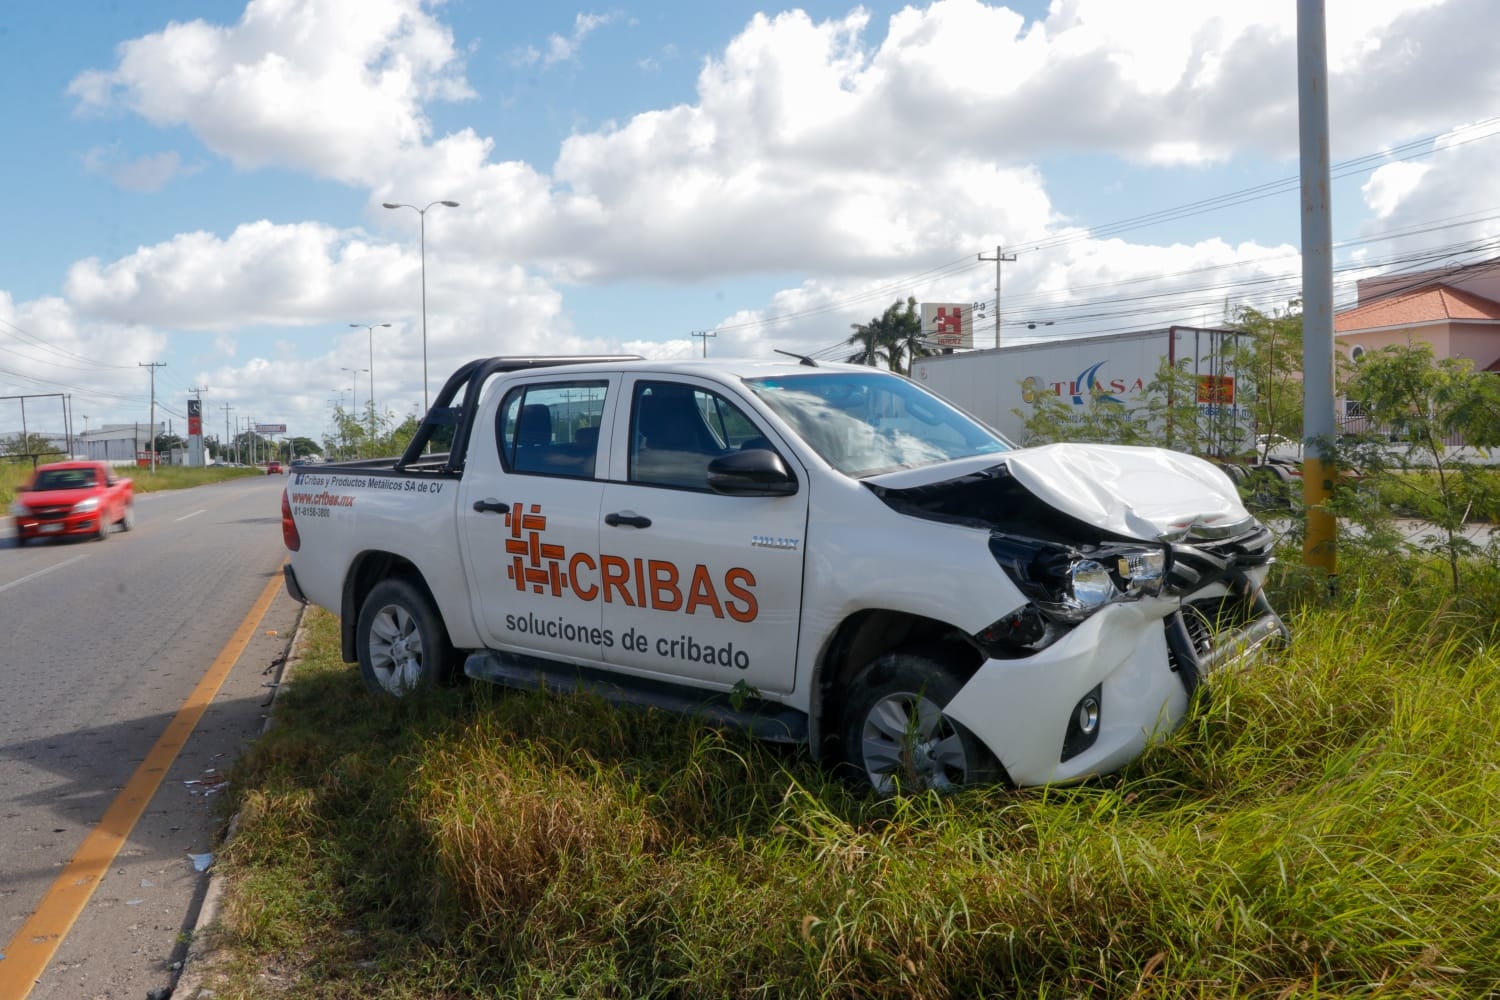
<point>695,585</point>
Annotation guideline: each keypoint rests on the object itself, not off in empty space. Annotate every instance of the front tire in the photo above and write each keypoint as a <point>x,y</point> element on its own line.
<point>895,737</point>
<point>127,520</point>
<point>401,642</point>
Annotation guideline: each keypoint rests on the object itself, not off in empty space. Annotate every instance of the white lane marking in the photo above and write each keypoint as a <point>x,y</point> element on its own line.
<point>193,514</point>
<point>41,572</point>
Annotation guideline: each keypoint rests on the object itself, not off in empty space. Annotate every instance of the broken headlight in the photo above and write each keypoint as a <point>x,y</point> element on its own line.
<point>1067,584</point>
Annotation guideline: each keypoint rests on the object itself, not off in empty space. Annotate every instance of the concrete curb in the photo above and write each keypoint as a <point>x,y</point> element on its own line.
<point>189,982</point>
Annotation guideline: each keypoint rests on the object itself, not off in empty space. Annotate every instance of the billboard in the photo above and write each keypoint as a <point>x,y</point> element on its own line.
<point>195,417</point>
<point>948,325</point>
<point>270,428</point>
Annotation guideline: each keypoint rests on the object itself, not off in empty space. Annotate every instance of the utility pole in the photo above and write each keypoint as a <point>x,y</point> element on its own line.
<point>1320,546</point>
<point>705,335</point>
<point>1000,258</point>
<point>151,424</point>
<point>227,438</point>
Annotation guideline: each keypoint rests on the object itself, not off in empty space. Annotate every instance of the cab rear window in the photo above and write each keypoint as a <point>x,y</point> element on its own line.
<point>552,429</point>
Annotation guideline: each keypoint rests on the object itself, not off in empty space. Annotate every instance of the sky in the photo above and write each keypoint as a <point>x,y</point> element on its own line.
<point>194,188</point>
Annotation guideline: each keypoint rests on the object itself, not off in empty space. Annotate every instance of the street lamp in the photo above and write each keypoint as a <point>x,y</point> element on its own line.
<point>338,404</point>
<point>422,213</point>
<point>371,327</point>
<point>354,374</point>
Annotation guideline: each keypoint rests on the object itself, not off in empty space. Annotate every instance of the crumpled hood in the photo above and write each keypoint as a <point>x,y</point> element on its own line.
<point>1139,492</point>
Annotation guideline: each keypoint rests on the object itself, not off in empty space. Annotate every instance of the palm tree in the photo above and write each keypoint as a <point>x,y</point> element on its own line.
<point>891,337</point>
<point>871,339</point>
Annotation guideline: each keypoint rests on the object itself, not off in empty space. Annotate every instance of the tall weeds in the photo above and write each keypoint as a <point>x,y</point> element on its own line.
<point>1325,825</point>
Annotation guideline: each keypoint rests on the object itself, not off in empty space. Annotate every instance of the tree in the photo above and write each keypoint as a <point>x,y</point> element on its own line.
<point>1051,418</point>
<point>303,446</point>
<point>1420,405</point>
<point>1272,360</point>
<point>893,337</point>
<point>31,445</point>
<point>166,442</point>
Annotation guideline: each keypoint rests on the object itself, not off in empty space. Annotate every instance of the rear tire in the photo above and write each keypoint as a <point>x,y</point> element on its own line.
<point>401,642</point>
<point>895,737</point>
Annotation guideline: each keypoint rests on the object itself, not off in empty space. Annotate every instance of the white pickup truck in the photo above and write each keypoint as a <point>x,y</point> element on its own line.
<point>824,553</point>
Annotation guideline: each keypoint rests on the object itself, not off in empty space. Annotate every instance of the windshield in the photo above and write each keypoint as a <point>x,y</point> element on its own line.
<point>64,479</point>
<point>864,424</point>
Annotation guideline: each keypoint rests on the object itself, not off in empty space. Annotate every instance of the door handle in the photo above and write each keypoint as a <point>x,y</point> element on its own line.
<point>491,505</point>
<point>629,520</point>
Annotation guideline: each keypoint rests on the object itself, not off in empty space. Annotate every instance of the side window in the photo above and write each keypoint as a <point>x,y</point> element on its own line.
<point>677,429</point>
<point>551,429</point>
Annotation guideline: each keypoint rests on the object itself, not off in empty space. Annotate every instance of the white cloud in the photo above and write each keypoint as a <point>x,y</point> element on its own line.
<point>562,48</point>
<point>851,152</point>
<point>143,174</point>
<point>1389,184</point>
<point>334,87</point>
<point>51,349</point>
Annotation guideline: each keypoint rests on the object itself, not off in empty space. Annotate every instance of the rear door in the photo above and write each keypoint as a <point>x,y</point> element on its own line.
<point>529,511</point>
<point>697,586</point>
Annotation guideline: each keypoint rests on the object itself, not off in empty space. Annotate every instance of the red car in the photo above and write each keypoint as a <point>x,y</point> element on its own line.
<point>273,468</point>
<point>73,498</point>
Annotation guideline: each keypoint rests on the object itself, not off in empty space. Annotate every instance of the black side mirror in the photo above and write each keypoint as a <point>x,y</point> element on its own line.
<point>757,472</point>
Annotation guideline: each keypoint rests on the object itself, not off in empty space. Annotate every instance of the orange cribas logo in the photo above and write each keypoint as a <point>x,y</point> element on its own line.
<point>639,583</point>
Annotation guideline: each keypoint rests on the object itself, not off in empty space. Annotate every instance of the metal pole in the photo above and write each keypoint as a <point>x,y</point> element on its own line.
<point>1320,547</point>
<point>422,236</point>
<point>422,227</point>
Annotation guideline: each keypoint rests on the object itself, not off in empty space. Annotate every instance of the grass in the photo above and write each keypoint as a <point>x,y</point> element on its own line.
<point>1326,826</point>
<point>14,475</point>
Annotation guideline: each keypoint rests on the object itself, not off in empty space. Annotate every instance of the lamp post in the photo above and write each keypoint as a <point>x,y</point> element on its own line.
<point>422,214</point>
<point>337,404</point>
<point>354,374</point>
<point>371,327</point>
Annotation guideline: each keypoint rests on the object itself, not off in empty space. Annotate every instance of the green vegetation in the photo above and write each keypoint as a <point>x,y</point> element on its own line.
<point>14,475</point>
<point>368,435</point>
<point>893,338</point>
<point>1325,825</point>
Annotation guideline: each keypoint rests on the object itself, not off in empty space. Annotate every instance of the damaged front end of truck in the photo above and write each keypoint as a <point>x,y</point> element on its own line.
<point>1130,561</point>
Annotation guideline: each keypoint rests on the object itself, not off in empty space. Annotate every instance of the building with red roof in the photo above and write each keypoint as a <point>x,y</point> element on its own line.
<point>1455,311</point>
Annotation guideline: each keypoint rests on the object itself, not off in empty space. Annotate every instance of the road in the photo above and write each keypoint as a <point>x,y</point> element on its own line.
<point>135,670</point>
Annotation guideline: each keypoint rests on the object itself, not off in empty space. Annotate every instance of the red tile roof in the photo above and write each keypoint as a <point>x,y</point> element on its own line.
<point>1431,304</point>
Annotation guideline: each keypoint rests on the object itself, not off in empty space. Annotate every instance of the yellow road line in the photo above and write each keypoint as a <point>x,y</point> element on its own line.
<point>32,947</point>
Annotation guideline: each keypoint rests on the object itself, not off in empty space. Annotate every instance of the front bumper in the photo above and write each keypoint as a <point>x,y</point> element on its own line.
<point>1140,661</point>
<point>29,527</point>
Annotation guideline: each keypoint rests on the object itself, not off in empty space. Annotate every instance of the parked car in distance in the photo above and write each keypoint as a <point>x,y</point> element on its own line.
<point>273,468</point>
<point>73,498</point>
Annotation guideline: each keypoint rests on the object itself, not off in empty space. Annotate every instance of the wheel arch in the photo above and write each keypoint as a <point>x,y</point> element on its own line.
<point>860,639</point>
<point>368,569</point>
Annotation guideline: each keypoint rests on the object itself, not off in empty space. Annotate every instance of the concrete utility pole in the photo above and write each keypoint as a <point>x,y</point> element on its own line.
<point>705,335</point>
<point>227,437</point>
<point>151,424</point>
<point>1319,423</point>
<point>1000,258</point>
